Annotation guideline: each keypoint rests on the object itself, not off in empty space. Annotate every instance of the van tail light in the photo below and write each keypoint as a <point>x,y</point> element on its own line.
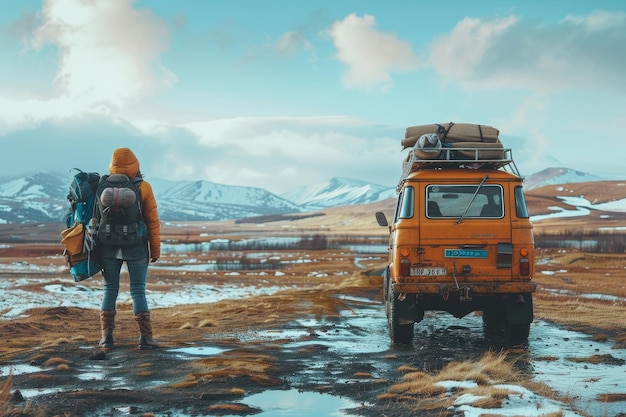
<point>505,255</point>
<point>524,267</point>
<point>405,267</point>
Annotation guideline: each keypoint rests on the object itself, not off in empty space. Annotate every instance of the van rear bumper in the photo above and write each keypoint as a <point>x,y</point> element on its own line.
<point>475,288</point>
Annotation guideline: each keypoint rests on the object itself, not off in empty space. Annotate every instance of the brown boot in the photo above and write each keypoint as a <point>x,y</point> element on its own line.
<point>107,323</point>
<point>146,341</point>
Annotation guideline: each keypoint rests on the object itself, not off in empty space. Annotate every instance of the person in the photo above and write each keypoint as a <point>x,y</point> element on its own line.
<point>137,255</point>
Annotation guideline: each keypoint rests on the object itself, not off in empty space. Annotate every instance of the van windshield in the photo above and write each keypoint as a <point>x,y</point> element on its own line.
<point>451,201</point>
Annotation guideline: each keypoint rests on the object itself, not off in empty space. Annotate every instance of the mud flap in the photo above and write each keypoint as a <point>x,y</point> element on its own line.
<point>519,308</point>
<point>407,308</point>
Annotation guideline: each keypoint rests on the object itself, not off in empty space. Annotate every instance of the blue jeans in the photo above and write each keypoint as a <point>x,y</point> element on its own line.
<point>138,272</point>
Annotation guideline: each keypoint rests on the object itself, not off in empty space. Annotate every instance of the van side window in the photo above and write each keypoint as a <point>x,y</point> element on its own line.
<point>520,203</point>
<point>406,204</point>
<point>454,201</point>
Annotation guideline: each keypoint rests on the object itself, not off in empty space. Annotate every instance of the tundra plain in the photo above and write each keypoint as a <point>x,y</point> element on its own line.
<point>245,324</point>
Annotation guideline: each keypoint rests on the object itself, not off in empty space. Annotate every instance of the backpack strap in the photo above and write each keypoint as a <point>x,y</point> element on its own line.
<point>97,213</point>
<point>136,181</point>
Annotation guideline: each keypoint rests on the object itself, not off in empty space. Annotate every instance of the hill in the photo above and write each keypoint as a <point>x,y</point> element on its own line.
<point>558,175</point>
<point>41,197</point>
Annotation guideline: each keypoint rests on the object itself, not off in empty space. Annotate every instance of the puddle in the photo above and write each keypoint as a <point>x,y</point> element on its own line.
<point>184,352</point>
<point>279,334</point>
<point>358,331</point>
<point>34,392</point>
<point>358,262</point>
<point>274,243</point>
<point>364,249</point>
<point>96,373</point>
<point>582,380</point>
<point>19,369</point>
<point>361,330</point>
<point>115,382</point>
<point>300,404</point>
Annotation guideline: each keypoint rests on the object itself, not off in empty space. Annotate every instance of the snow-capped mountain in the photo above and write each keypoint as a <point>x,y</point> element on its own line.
<point>552,176</point>
<point>42,197</point>
<point>203,200</point>
<point>33,198</point>
<point>338,192</point>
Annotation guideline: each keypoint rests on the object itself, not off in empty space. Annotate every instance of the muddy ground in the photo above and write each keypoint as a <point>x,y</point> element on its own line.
<point>213,356</point>
<point>311,337</point>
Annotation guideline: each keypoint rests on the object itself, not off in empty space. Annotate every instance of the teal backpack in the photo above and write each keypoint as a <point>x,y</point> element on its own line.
<point>79,238</point>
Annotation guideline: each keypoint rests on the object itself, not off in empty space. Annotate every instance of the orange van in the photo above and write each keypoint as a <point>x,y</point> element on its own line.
<point>460,241</point>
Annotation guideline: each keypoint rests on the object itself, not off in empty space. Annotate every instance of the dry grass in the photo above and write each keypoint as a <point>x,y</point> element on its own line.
<point>55,362</point>
<point>5,394</point>
<point>489,369</point>
<point>232,365</point>
<point>570,289</point>
<point>9,409</point>
<point>610,398</point>
<point>598,359</point>
<point>232,408</point>
<point>423,392</point>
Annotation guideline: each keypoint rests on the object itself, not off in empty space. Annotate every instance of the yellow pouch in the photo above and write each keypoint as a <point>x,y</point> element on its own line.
<point>73,238</point>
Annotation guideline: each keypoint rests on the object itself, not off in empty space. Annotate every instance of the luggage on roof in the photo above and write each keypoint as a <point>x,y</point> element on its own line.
<point>454,145</point>
<point>451,133</point>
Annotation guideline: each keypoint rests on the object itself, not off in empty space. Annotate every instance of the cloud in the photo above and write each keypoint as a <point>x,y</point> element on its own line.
<point>370,55</point>
<point>277,153</point>
<point>291,42</point>
<point>108,50</point>
<point>599,20</point>
<point>108,58</point>
<point>576,53</point>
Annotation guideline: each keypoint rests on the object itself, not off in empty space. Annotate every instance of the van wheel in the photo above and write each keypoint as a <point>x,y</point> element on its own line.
<point>494,317</point>
<point>400,334</point>
<point>386,289</point>
<point>517,333</point>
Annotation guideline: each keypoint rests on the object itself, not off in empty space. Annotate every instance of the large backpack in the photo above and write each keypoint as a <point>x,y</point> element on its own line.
<point>81,250</point>
<point>119,209</point>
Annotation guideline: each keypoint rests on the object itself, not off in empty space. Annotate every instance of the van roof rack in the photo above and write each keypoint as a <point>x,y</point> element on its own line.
<point>462,158</point>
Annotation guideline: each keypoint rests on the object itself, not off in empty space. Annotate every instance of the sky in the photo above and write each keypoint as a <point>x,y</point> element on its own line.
<point>282,94</point>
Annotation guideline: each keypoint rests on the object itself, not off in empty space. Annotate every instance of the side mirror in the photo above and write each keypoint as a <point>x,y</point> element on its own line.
<point>381,219</point>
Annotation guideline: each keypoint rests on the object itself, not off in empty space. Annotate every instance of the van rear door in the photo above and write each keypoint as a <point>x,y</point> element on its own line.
<point>465,228</point>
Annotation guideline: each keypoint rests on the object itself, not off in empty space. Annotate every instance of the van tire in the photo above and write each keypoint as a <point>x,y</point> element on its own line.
<point>400,334</point>
<point>494,317</point>
<point>386,289</point>
<point>517,333</point>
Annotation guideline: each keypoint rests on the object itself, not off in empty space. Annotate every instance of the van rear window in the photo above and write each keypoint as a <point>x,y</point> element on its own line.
<point>470,201</point>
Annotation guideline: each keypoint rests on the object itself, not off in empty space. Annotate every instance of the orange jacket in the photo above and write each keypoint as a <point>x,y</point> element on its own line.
<point>125,162</point>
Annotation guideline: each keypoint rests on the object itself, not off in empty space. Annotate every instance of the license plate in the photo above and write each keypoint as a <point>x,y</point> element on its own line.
<point>431,272</point>
<point>465,253</point>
